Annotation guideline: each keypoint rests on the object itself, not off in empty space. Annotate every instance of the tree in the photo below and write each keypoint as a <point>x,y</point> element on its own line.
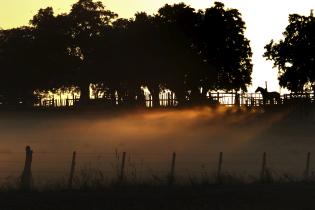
<point>179,25</point>
<point>148,46</point>
<point>162,55</point>
<point>53,59</point>
<point>294,55</point>
<point>18,78</point>
<point>223,44</point>
<point>60,50</point>
<point>128,58</point>
<point>179,48</point>
<point>88,23</point>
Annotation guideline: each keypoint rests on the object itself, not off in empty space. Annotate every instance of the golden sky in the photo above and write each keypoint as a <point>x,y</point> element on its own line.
<point>265,20</point>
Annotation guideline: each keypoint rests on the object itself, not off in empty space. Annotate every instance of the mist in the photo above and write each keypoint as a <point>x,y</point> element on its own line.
<point>149,137</point>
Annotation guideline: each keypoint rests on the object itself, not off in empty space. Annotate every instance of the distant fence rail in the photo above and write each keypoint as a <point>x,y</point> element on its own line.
<point>230,99</point>
<point>213,98</point>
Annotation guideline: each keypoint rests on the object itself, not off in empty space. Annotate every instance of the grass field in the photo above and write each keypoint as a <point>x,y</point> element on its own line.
<point>276,196</point>
<point>149,137</point>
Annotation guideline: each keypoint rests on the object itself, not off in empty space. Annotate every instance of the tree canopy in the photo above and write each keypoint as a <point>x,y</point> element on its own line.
<point>178,48</point>
<point>294,55</point>
<point>224,44</point>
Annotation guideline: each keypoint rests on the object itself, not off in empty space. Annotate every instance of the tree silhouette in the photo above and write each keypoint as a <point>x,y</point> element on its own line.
<point>18,79</point>
<point>187,51</point>
<point>294,55</point>
<point>88,23</point>
<point>179,25</point>
<point>51,50</point>
<point>223,44</point>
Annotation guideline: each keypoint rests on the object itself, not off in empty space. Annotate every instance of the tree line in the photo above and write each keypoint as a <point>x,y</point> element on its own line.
<point>179,48</point>
<point>186,51</point>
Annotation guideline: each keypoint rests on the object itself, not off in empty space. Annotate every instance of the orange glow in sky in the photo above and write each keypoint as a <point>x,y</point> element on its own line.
<point>265,20</point>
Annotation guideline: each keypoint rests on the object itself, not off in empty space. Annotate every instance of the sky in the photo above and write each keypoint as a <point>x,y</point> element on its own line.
<point>265,20</point>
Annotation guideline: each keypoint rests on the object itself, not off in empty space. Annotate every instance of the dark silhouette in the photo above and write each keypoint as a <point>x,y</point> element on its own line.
<point>88,24</point>
<point>185,51</point>
<point>26,178</point>
<point>224,45</point>
<point>270,97</point>
<point>17,77</point>
<point>294,55</point>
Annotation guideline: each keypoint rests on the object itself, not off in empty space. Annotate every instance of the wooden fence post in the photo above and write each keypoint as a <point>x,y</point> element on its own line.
<point>26,178</point>
<point>122,169</point>
<point>72,169</point>
<point>172,172</point>
<point>307,168</point>
<point>220,167</point>
<point>263,167</point>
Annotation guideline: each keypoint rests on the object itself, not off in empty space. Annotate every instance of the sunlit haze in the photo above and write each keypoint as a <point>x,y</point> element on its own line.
<point>265,20</point>
<point>197,135</point>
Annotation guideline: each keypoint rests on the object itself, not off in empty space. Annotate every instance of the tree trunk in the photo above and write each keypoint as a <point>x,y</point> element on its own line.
<point>237,101</point>
<point>113,96</point>
<point>85,93</point>
<point>131,97</point>
<point>141,100</point>
<point>155,92</point>
<point>204,94</point>
<point>180,96</point>
<point>195,96</point>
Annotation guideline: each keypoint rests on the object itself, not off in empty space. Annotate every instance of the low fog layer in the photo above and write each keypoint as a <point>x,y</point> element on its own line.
<point>150,137</point>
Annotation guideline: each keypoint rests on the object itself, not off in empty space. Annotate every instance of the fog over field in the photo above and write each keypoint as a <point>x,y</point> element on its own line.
<point>149,137</point>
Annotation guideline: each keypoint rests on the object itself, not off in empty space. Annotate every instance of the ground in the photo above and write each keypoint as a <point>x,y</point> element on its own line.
<point>150,137</point>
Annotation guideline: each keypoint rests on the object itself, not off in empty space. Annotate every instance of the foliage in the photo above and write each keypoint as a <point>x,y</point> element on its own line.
<point>294,55</point>
<point>223,43</point>
<point>178,49</point>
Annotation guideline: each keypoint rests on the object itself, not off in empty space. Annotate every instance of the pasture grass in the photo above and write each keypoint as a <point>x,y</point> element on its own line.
<point>93,190</point>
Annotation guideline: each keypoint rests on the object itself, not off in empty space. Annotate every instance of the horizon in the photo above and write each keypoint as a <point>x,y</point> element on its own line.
<point>260,28</point>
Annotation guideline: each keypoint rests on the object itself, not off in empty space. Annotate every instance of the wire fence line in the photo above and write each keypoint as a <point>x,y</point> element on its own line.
<point>121,165</point>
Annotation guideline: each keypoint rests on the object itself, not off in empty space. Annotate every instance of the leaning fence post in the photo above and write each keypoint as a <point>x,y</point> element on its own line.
<point>263,167</point>
<point>122,169</point>
<point>72,169</point>
<point>220,167</point>
<point>172,172</point>
<point>307,168</point>
<point>26,177</point>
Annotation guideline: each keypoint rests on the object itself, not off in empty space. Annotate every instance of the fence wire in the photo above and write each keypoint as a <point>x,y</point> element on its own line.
<point>56,165</point>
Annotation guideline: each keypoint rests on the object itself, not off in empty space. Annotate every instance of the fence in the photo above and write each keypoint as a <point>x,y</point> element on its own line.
<point>171,167</point>
<point>229,99</point>
<point>57,102</point>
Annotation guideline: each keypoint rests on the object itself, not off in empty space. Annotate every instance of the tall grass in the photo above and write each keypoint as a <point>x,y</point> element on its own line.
<point>92,179</point>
